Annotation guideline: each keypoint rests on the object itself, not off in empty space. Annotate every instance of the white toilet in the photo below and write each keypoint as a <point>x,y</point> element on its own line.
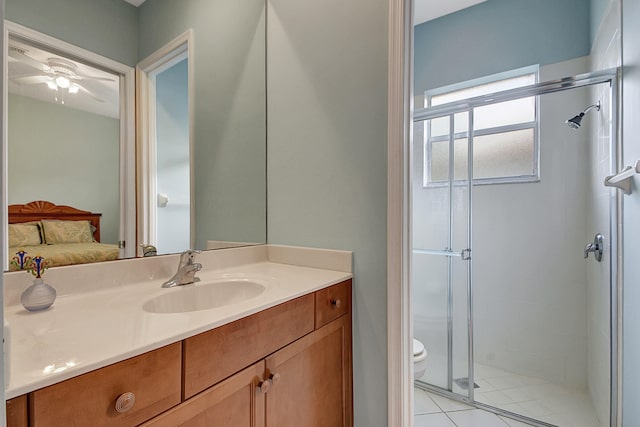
<point>419,359</point>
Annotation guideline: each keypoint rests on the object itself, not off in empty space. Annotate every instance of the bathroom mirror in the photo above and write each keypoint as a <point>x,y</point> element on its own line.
<point>228,109</point>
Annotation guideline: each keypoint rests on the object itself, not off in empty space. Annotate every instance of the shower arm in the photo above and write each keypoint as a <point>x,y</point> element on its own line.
<point>596,106</point>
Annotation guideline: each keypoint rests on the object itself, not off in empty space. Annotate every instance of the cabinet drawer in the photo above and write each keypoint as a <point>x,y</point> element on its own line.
<point>333,302</point>
<point>214,355</point>
<point>90,399</point>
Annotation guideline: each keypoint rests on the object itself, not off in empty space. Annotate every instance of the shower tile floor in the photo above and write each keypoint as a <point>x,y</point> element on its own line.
<point>532,397</point>
<point>432,410</point>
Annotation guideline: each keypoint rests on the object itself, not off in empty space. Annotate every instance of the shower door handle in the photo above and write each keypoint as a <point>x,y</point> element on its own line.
<point>596,247</point>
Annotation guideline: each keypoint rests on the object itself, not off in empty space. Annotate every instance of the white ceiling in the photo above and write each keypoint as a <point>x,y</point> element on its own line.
<point>34,81</point>
<point>426,10</point>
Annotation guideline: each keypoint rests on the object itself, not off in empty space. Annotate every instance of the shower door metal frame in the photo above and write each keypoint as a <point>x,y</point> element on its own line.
<point>611,77</point>
<point>464,254</point>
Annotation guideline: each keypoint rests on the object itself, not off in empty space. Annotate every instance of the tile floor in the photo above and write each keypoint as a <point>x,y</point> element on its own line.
<point>432,410</point>
<point>528,396</point>
<point>534,398</point>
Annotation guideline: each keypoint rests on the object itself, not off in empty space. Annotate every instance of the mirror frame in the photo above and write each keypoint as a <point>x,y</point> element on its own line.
<point>127,175</point>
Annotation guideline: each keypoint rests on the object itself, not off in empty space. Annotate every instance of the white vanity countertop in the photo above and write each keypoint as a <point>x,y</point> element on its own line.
<point>86,331</point>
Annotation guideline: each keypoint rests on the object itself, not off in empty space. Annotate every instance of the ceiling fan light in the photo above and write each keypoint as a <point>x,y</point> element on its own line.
<point>52,85</point>
<point>73,88</point>
<point>63,82</point>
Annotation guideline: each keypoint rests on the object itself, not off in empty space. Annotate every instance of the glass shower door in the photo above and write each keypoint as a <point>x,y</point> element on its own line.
<point>542,309</point>
<point>441,259</point>
<point>535,337</point>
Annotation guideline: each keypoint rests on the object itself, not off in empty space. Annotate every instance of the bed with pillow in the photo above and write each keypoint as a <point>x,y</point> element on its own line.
<point>63,235</point>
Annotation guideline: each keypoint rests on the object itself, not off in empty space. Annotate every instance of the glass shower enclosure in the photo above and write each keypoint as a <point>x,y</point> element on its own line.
<point>512,316</point>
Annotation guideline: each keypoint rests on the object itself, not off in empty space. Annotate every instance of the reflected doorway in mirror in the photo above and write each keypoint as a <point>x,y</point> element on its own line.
<point>165,128</point>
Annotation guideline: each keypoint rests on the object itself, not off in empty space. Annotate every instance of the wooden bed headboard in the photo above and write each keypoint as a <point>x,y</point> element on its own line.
<point>40,209</point>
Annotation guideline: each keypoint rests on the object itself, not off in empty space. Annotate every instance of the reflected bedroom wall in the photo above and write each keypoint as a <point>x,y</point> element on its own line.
<point>78,172</point>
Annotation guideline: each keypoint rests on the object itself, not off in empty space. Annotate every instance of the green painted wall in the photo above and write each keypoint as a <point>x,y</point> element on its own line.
<point>327,159</point>
<point>496,36</point>
<point>107,27</point>
<point>65,156</point>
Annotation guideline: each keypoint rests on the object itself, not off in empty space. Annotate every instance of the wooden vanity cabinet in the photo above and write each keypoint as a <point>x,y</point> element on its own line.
<point>286,366</point>
<point>303,384</point>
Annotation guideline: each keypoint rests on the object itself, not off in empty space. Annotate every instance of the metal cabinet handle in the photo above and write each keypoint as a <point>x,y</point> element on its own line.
<point>336,303</point>
<point>125,402</point>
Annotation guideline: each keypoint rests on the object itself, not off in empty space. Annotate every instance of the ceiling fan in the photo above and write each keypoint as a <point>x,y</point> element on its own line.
<point>56,73</point>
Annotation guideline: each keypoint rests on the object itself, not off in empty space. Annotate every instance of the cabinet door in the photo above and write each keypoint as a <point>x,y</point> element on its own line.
<point>237,401</point>
<point>17,412</point>
<point>312,379</point>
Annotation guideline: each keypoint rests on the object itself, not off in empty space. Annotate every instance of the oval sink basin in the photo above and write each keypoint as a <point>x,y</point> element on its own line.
<point>204,296</point>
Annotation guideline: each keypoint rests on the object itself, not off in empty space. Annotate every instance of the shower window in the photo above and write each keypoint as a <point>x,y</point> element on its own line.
<point>505,134</point>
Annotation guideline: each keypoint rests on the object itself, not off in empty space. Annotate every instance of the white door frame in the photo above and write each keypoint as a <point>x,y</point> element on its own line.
<point>127,231</point>
<point>400,107</point>
<point>176,50</point>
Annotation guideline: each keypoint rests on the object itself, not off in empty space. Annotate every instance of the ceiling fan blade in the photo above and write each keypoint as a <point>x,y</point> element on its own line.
<point>88,92</point>
<point>87,77</point>
<point>26,79</point>
<point>22,76</point>
<point>21,56</point>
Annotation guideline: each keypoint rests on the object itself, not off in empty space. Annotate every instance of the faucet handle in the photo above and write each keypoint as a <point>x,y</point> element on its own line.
<point>148,250</point>
<point>188,256</point>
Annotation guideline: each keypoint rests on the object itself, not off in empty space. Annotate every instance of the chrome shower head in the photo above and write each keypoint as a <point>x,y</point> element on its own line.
<point>575,121</point>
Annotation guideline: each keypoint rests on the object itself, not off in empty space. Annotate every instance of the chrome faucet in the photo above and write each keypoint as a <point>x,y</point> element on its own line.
<point>186,270</point>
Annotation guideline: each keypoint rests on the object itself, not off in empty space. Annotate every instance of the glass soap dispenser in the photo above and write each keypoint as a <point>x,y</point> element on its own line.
<point>39,296</point>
